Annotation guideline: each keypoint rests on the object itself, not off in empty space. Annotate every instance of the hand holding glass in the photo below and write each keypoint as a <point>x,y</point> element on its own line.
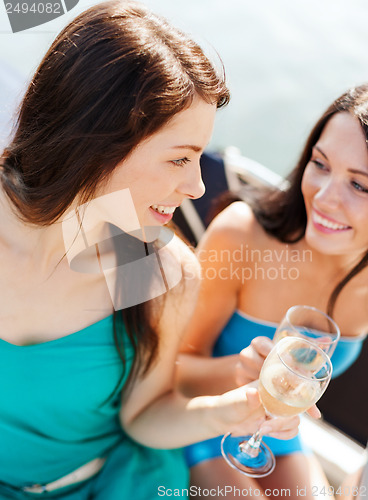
<point>293,377</point>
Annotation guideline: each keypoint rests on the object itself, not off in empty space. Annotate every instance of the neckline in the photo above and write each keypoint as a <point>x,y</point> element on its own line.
<point>62,339</point>
<point>344,338</point>
<point>256,320</point>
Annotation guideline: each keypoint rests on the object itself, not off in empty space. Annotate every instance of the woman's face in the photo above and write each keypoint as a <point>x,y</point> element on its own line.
<point>335,189</point>
<point>164,169</point>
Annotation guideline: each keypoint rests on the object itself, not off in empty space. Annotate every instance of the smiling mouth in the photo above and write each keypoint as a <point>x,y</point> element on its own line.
<point>318,219</point>
<point>161,209</point>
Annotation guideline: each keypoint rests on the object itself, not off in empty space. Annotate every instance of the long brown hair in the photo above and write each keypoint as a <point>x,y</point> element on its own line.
<point>113,77</point>
<point>282,212</point>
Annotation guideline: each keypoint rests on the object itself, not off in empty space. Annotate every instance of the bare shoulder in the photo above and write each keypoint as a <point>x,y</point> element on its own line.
<point>235,216</point>
<point>235,225</point>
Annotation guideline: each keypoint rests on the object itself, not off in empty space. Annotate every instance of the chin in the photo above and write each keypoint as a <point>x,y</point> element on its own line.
<point>326,247</point>
<point>321,245</point>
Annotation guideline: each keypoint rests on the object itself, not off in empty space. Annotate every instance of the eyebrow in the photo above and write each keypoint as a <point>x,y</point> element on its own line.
<point>351,170</point>
<point>194,148</point>
<point>361,172</point>
<point>320,150</point>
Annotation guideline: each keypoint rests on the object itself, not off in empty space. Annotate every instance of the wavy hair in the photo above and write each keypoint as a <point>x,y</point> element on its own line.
<point>113,77</point>
<point>282,213</point>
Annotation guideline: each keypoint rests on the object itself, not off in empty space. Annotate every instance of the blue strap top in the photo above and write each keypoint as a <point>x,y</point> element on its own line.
<point>59,404</point>
<point>242,328</point>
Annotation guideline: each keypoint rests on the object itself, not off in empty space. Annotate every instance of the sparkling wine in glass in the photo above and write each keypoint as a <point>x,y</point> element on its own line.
<point>293,377</point>
<point>312,324</point>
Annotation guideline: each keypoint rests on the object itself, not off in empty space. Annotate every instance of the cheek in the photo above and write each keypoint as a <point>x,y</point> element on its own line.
<point>307,186</point>
<point>311,183</point>
<point>356,213</point>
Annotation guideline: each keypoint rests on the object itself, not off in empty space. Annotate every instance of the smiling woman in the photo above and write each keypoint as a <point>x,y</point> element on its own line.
<point>158,178</point>
<point>335,189</point>
<point>321,215</point>
<point>106,145</point>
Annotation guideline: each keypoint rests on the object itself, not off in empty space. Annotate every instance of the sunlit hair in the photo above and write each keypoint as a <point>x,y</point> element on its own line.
<point>282,213</point>
<point>114,76</point>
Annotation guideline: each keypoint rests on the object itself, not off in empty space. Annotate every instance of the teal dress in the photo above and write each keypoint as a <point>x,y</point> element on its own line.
<point>59,409</point>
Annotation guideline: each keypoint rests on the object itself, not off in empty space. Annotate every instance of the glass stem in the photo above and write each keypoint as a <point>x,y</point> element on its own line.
<point>251,447</point>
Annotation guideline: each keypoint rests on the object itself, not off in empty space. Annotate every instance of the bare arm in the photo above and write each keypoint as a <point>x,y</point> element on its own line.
<point>154,414</point>
<point>218,253</point>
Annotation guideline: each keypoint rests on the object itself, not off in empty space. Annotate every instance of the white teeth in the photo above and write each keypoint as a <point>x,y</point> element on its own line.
<point>161,209</point>
<point>326,223</point>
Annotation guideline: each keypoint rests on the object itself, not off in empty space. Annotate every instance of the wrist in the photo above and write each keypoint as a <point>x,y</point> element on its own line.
<point>212,413</point>
<point>224,411</point>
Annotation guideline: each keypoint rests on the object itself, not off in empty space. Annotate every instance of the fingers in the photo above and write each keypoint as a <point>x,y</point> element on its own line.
<point>281,428</point>
<point>287,434</point>
<point>253,398</point>
<point>262,345</point>
<point>245,373</point>
<point>243,411</point>
<point>314,412</point>
<point>251,360</point>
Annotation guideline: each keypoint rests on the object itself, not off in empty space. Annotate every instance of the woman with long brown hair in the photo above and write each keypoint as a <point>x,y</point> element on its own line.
<point>304,244</point>
<point>94,295</point>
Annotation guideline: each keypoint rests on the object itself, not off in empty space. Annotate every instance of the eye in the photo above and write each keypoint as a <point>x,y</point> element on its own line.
<point>181,162</point>
<point>359,187</point>
<point>318,164</point>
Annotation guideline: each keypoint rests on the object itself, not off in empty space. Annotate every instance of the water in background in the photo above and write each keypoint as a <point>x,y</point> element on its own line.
<point>285,61</point>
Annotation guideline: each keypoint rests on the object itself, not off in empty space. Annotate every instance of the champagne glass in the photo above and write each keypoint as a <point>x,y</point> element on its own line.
<point>293,377</point>
<point>312,324</point>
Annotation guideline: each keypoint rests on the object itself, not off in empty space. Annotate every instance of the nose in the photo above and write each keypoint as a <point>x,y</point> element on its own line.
<point>192,186</point>
<point>329,195</point>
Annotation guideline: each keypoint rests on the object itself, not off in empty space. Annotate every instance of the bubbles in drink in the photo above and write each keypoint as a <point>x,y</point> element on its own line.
<point>284,393</point>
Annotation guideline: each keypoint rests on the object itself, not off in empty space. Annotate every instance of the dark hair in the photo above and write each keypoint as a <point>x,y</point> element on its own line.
<point>113,77</point>
<point>282,212</point>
